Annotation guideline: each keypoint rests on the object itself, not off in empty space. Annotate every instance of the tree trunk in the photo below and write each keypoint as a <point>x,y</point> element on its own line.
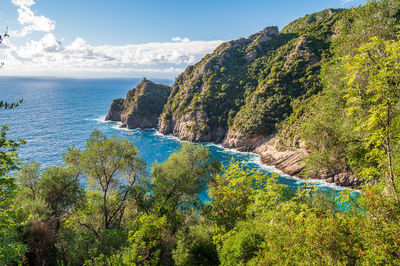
<point>390,166</point>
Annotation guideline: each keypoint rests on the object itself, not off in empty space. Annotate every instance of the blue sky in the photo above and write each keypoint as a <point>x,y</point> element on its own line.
<point>133,38</point>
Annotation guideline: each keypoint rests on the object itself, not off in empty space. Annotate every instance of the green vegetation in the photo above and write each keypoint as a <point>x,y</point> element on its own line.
<point>351,125</point>
<point>331,79</point>
<point>12,248</point>
<point>123,218</point>
<point>248,85</point>
<point>144,104</point>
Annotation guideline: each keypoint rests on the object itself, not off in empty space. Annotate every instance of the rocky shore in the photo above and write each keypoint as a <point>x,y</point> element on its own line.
<point>289,161</point>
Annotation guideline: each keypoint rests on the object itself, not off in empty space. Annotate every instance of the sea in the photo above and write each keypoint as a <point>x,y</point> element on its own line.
<point>57,113</point>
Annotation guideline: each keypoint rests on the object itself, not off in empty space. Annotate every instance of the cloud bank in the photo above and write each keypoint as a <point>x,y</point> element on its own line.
<point>49,56</point>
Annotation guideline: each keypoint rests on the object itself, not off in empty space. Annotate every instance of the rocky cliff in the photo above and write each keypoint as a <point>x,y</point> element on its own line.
<point>142,106</point>
<point>240,93</point>
<point>244,87</point>
<point>290,161</point>
<point>205,95</point>
<point>116,109</point>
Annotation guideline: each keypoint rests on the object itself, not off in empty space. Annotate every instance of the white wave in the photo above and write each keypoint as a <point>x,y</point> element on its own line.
<point>256,159</point>
<point>229,149</point>
<point>150,129</point>
<point>320,183</point>
<point>101,119</point>
<point>117,126</point>
<point>170,136</point>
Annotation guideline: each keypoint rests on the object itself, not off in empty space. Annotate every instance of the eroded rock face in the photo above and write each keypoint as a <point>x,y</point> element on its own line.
<point>347,180</point>
<point>142,106</point>
<point>114,114</point>
<point>237,140</point>
<point>290,162</point>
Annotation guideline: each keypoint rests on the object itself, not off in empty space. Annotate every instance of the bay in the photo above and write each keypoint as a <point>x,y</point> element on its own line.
<point>59,113</point>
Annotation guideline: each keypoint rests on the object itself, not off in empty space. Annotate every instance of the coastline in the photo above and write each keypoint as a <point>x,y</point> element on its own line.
<point>256,157</point>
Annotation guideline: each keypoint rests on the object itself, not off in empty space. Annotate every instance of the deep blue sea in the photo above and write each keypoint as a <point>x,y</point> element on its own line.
<point>58,113</point>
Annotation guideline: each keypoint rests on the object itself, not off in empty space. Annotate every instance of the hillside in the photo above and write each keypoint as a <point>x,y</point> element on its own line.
<point>260,93</point>
<point>239,94</point>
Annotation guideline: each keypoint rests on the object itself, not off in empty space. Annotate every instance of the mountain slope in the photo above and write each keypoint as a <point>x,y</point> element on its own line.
<point>259,93</point>
<point>247,86</point>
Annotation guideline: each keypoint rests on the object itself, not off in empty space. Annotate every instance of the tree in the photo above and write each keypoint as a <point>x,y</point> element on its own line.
<point>175,189</point>
<point>115,196</point>
<point>178,182</point>
<point>46,196</point>
<point>234,190</point>
<point>115,169</point>
<point>373,98</point>
<point>57,186</point>
<point>195,246</point>
<point>11,247</point>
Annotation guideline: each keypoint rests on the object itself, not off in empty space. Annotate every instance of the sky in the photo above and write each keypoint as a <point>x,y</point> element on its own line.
<point>132,38</point>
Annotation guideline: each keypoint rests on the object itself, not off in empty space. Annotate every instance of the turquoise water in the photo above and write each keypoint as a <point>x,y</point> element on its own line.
<point>58,113</point>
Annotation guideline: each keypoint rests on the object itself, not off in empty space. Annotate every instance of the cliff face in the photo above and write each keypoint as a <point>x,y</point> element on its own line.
<point>116,109</point>
<point>206,95</point>
<point>141,107</point>
<point>244,88</point>
<point>290,161</point>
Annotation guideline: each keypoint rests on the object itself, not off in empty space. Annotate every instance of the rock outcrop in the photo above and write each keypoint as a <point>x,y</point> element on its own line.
<point>290,161</point>
<point>142,106</point>
<point>116,109</point>
<point>246,86</point>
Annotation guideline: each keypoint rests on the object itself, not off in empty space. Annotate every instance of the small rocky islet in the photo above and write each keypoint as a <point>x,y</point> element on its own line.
<point>241,95</point>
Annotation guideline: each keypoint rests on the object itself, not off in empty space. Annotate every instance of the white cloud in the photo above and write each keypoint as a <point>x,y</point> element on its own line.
<point>346,1</point>
<point>29,20</point>
<point>49,56</point>
<point>179,39</point>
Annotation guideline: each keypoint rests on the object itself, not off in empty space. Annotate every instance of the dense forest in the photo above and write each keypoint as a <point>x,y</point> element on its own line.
<point>102,207</point>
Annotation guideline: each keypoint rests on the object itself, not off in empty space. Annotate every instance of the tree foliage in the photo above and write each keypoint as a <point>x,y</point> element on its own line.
<point>113,167</point>
<point>373,98</point>
<point>11,247</point>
